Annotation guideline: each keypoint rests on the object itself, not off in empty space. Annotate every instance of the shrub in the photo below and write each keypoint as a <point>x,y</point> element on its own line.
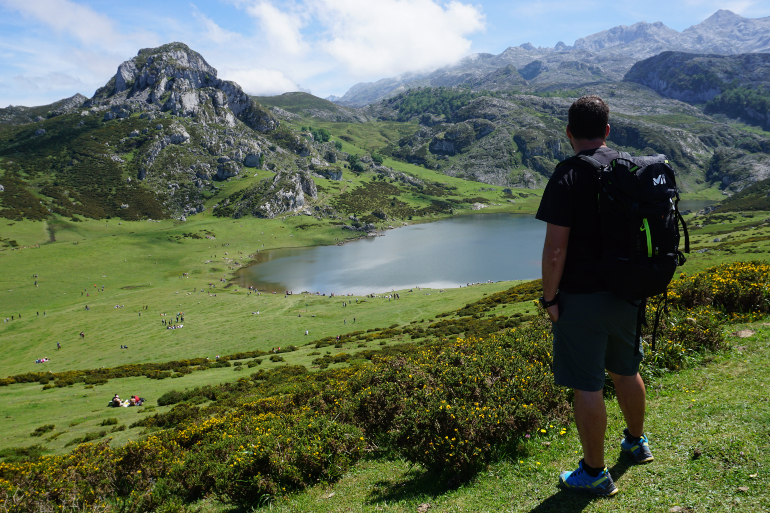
<point>41,430</point>
<point>276,358</point>
<point>451,407</point>
<point>93,435</point>
<point>738,288</point>
<point>17,454</point>
<point>109,422</point>
<point>268,454</point>
<point>170,397</point>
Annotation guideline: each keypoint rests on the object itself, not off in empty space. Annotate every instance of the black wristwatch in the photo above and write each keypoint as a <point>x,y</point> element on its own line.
<point>547,304</point>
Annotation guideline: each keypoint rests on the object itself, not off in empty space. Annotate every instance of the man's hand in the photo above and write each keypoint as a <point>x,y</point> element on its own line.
<point>553,312</point>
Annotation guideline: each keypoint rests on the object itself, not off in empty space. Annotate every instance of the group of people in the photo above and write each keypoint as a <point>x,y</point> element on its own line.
<point>41,360</point>
<point>133,401</point>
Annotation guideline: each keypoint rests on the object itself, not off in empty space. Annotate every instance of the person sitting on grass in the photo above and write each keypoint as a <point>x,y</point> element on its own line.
<point>116,401</point>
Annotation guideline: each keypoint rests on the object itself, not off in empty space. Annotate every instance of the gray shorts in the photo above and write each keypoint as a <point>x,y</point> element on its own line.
<point>594,332</point>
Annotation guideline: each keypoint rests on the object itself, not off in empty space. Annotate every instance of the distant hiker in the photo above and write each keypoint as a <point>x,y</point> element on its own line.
<point>593,329</point>
<point>58,346</point>
<point>82,334</point>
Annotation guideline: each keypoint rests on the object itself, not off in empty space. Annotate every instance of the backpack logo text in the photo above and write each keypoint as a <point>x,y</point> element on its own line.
<point>659,180</point>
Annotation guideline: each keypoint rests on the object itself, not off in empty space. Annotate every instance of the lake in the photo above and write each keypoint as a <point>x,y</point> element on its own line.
<point>447,253</point>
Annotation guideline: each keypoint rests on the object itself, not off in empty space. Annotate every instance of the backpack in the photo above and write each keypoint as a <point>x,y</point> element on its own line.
<point>639,224</point>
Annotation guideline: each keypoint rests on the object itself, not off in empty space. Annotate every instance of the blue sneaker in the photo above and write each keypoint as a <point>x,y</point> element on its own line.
<point>580,480</point>
<point>639,450</point>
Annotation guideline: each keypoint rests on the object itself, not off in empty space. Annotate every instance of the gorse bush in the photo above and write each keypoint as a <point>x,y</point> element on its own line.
<point>452,407</point>
<point>738,288</point>
<point>41,430</point>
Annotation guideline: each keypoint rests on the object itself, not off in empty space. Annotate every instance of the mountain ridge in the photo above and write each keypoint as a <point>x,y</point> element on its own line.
<point>611,53</point>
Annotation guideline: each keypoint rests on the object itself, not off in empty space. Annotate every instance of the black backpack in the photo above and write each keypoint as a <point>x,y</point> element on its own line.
<point>639,223</point>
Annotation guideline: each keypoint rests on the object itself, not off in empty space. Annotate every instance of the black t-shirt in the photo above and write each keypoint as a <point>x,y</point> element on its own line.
<point>571,200</point>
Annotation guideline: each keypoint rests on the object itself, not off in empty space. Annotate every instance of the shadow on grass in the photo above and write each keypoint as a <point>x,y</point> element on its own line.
<point>572,501</point>
<point>413,483</point>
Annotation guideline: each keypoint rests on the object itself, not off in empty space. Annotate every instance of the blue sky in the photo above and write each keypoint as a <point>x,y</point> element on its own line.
<point>51,49</point>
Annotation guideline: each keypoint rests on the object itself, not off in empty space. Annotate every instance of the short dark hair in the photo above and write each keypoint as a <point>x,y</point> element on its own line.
<point>588,118</point>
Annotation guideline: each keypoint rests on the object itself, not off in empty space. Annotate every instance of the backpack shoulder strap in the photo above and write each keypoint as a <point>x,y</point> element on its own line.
<point>595,164</point>
<point>590,161</point>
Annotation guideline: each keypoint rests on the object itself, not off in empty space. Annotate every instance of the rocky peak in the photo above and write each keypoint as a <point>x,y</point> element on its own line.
<point>174,60</point>
<point>650,33</point>
<point>729,33</point>
<point>173,78</point>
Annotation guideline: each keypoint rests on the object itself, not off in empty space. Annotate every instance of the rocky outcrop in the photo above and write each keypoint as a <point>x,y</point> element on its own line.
<point>286,192</point>
<point>228,169</point>
<point>176,135</point>
<point>252,160</point>
<point>699,78</point>
<point>735,169</point>
<point>173,78</point>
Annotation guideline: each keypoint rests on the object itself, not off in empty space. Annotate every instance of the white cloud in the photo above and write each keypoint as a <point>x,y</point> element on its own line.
<point>394,36</point>
<point>85,25</point>
<point>282,30</point>
<point>260,81</point>
<point>68,17</point>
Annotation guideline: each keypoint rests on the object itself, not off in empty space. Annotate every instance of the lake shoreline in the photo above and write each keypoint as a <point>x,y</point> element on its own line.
<point>493,250</point>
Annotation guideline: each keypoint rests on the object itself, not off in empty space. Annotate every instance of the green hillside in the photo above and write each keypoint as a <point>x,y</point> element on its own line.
<point>296,102</point>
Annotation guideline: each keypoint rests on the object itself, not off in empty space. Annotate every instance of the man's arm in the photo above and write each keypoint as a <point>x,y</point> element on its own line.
<point>554,255</point>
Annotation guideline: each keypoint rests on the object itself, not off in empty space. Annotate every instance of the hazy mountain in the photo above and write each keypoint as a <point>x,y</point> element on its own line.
<point>18,115</point>
<point>602,57</point>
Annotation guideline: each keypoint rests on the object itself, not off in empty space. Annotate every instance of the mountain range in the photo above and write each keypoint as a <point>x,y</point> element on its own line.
<point>602,57</point>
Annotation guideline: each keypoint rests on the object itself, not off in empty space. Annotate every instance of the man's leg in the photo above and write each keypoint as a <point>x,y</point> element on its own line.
<point>591,420</point>
<point>632,398</point>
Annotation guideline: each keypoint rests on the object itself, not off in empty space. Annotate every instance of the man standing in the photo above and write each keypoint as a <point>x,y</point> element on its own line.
<point>593,329</point>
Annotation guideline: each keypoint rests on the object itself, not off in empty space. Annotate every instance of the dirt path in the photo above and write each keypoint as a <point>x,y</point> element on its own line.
<point>51,233</point>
